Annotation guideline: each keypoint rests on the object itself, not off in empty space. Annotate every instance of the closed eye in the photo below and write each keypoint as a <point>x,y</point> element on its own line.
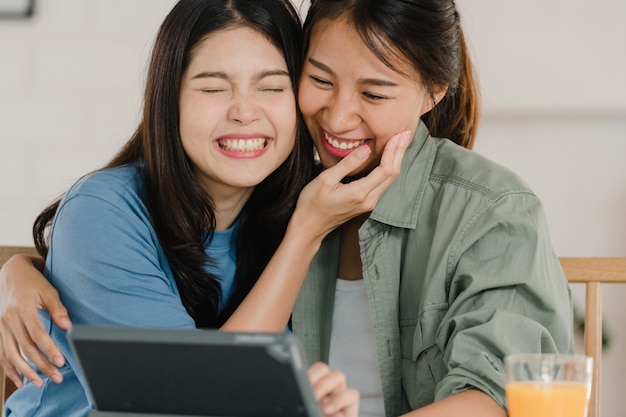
<point>373,97</point>
<point>273,90</point>
<point>320,81</point>
<point>213,90</point>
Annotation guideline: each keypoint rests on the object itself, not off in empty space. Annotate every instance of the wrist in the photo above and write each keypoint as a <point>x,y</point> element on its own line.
<point>301,237</point>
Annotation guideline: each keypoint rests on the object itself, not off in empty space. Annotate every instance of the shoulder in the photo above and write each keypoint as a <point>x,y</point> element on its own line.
<point>112,185</point>
<point>107,193</point>
<point>459,167</point>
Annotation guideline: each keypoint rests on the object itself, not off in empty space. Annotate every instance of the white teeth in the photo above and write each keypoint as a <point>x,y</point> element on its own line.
<point>242,145</point>
<point>343,145</point>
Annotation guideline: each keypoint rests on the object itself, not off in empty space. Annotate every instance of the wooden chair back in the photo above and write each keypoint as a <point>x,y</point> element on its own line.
<point>594,272</point>
<point>6,385</point>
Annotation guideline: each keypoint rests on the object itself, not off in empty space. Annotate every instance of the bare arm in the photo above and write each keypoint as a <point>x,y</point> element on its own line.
<point>24,291</point>
<point>470,403</point>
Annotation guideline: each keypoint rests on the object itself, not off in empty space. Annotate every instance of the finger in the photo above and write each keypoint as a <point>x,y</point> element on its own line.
<point>329,383</point>
<point>371,187</point>
<point>395,149</point>
<point>13,362</point>
<point>317,371</point>
<point>30,335</point>
<point>335,398</point>
<point>330,390</point>
<point>342,404</point>
<point>30,349</point>
<point>345,166</point>
<point>390,164</point>
<point>24,348</point>
<point>391,161</point>
<point>9,370</point>
<point>392,157</point>
<point>58,313</point>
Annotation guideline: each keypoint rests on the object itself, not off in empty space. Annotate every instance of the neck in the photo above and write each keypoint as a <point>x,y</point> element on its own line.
<point>356,222</point>
<point>228,206</point>
<point>350,266</point>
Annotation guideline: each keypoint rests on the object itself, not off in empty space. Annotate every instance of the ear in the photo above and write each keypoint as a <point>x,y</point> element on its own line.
<point>438,93</point>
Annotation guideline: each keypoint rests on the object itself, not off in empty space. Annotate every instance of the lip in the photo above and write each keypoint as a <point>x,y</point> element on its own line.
<point>239,145</point>
<point>350,144</point>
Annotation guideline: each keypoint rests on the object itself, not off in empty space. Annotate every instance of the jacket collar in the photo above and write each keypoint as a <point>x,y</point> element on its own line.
<point>399,206</point>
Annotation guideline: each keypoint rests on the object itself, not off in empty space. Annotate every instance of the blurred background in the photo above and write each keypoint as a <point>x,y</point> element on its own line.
<point>552,75</point>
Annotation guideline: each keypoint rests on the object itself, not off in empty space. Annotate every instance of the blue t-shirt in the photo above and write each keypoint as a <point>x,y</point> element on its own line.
<point>109,268</point>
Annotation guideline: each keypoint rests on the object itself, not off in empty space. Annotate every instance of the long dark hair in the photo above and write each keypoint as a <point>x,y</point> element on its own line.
<point>181,211</point>
<point>428,34</point>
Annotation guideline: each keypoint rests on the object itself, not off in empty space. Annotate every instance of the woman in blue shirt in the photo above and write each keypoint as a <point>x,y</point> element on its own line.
<point>196,223</point>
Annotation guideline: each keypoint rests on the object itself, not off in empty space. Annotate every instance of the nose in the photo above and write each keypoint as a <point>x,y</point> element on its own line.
<point>343,112</point>
<point>244,110</point>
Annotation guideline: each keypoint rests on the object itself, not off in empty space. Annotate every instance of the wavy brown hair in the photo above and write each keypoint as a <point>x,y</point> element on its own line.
<point>181,212</point>
<point>427,34</point>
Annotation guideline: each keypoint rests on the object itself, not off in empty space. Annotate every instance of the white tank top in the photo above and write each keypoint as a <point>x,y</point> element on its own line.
<point>353,348</point>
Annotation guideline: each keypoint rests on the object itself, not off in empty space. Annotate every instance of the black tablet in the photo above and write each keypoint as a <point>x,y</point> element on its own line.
<point>137,371</point>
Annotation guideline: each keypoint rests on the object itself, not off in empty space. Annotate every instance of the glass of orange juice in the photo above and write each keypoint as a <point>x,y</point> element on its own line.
<point>547,385</point>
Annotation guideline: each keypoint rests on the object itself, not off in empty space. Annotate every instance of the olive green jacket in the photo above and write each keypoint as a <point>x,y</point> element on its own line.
<point>459,271</point>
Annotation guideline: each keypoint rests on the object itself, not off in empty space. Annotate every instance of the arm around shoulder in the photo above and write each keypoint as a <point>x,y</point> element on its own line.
<point>24,291</point>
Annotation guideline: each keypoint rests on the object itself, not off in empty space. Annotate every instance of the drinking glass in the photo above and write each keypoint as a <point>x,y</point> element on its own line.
<point>547,385</point>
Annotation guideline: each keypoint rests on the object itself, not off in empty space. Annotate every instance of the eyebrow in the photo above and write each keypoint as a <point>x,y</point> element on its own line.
<point>224,76</point>
<point>369,81</point>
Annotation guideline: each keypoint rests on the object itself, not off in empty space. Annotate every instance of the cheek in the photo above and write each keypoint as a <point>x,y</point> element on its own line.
<point>383,124</point>
<point>309,100</point>
<point>283,112</point>
<point>387,122</point>
<point>196,114</point>
<point>186,126</point>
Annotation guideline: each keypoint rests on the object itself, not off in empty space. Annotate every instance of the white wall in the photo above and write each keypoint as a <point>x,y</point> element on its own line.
<point>554,93</point>
<point>70,93</point>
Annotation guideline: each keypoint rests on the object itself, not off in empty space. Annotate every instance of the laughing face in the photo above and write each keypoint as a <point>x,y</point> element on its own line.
<point>348,96</point>
<point>237,111</point>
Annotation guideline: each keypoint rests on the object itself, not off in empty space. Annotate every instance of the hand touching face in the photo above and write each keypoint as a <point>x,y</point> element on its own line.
<point>349,97</point>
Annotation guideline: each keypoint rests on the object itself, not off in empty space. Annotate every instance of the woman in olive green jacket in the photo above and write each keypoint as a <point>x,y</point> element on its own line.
<point>419,301</point>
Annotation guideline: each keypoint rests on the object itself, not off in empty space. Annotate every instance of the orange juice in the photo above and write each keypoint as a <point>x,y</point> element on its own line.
<point>555,399</point>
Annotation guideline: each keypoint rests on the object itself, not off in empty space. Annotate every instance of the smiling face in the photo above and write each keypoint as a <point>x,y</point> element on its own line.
<point>237,111</point>
<point>348,96</point>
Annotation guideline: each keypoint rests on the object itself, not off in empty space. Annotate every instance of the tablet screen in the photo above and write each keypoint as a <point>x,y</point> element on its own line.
<point>194,372</point>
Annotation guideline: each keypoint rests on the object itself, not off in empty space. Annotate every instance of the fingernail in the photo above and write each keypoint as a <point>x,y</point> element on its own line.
<point>57,378</point>
<point>330,408</point>
<point>58,361</point>
<point>66,322</point>
<point>363,151</point>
